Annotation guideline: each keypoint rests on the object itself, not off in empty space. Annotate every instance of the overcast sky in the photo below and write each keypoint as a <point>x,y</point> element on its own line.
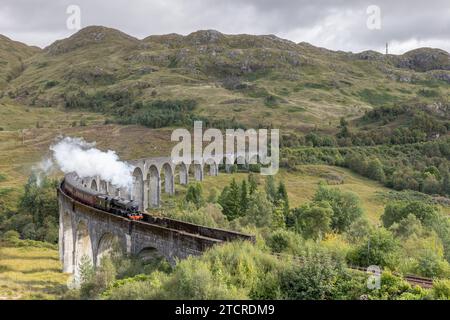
<point>334,24</point>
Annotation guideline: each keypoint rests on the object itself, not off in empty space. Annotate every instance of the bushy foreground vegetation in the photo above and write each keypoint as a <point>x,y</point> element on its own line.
<point>244,271</point>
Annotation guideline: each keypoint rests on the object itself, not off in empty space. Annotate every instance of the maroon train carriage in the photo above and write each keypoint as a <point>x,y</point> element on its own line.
<point>115,205</point>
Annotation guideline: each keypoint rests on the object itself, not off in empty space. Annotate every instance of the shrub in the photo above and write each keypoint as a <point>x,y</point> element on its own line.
<point>345,205</point>
<point>11,236</point>
<point>431,265</point>
<point>380,248</point>
<point>284,241</point>
<point>441,289</point>
<point>210,215</point>
<point>261,213</point>
<point>139,287</point>
<point>407,227</point>
<point>193,279</point>
<point>375,170</point>
<point>398,210</point>
<point>315,278</point>
<point>51,84</point>
<point>212,196</point>
<point>312,220</point>
<point>359,230</point>
<point>233,271</point>
<point>395,288</point>
<point>194,194</point>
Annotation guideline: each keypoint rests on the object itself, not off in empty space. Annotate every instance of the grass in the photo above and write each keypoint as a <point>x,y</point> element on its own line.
<point>377,98</point>
<point>14,117</point>
<point>30,273</point>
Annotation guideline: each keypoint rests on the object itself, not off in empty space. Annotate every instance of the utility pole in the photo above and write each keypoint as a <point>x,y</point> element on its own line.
<point>387,51</point>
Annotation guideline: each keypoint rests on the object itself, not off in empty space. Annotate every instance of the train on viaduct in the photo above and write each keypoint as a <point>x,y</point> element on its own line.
<point>90,232</point>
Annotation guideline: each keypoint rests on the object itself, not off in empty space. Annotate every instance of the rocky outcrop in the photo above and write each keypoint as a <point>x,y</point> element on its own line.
<point>370,55</point>
<point>438,108</point>
<point>90,36</point>
<point>440,75</point>
<point>424,59</point>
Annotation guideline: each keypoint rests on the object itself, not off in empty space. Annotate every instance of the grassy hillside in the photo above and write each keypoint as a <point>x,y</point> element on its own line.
<point>257,80</point>
<point>12,59</point>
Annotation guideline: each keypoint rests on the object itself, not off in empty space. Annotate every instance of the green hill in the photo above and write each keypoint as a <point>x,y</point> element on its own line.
<point>12,57</point>
<point>254,80</point>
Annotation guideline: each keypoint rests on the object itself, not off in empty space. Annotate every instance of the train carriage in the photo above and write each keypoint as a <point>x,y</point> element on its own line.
<point>116,205</point>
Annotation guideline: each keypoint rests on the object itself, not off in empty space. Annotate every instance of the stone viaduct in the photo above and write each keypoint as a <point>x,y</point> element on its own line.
<point>149,174</point>
<point>86,232</point>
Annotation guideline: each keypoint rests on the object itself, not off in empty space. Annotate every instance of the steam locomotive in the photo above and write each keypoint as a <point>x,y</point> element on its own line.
<point>115,205</point>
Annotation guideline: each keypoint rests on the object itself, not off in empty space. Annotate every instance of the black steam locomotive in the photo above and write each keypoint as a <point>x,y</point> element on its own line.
<point>115,205</point>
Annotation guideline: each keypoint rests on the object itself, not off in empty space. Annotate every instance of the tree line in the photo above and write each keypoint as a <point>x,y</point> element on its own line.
<point>420,167</point>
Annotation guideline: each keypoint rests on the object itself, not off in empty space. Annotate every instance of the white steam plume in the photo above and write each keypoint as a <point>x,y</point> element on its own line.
<point>43,168</point>
<point>77,155</point>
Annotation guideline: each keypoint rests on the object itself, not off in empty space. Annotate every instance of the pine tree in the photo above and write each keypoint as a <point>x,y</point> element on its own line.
<point>253,183</point>
<point>223,199</point>
<point>282,197</point>
<point>244,198</point>
<point>271,190</point>
<point>194,194</point>
<point>230,199</point>
<point>234,199</point>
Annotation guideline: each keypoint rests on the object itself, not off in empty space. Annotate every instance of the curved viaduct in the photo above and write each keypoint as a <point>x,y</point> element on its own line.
<point>150,174</point>
<point>88,233</point>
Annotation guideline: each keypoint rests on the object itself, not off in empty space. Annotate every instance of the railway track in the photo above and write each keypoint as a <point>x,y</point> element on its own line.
<point>423,282</point>
<point>426,283</point>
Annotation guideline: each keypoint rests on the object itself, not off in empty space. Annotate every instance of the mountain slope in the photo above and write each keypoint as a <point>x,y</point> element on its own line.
<point>12,56</point>
<point>255,80</point>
